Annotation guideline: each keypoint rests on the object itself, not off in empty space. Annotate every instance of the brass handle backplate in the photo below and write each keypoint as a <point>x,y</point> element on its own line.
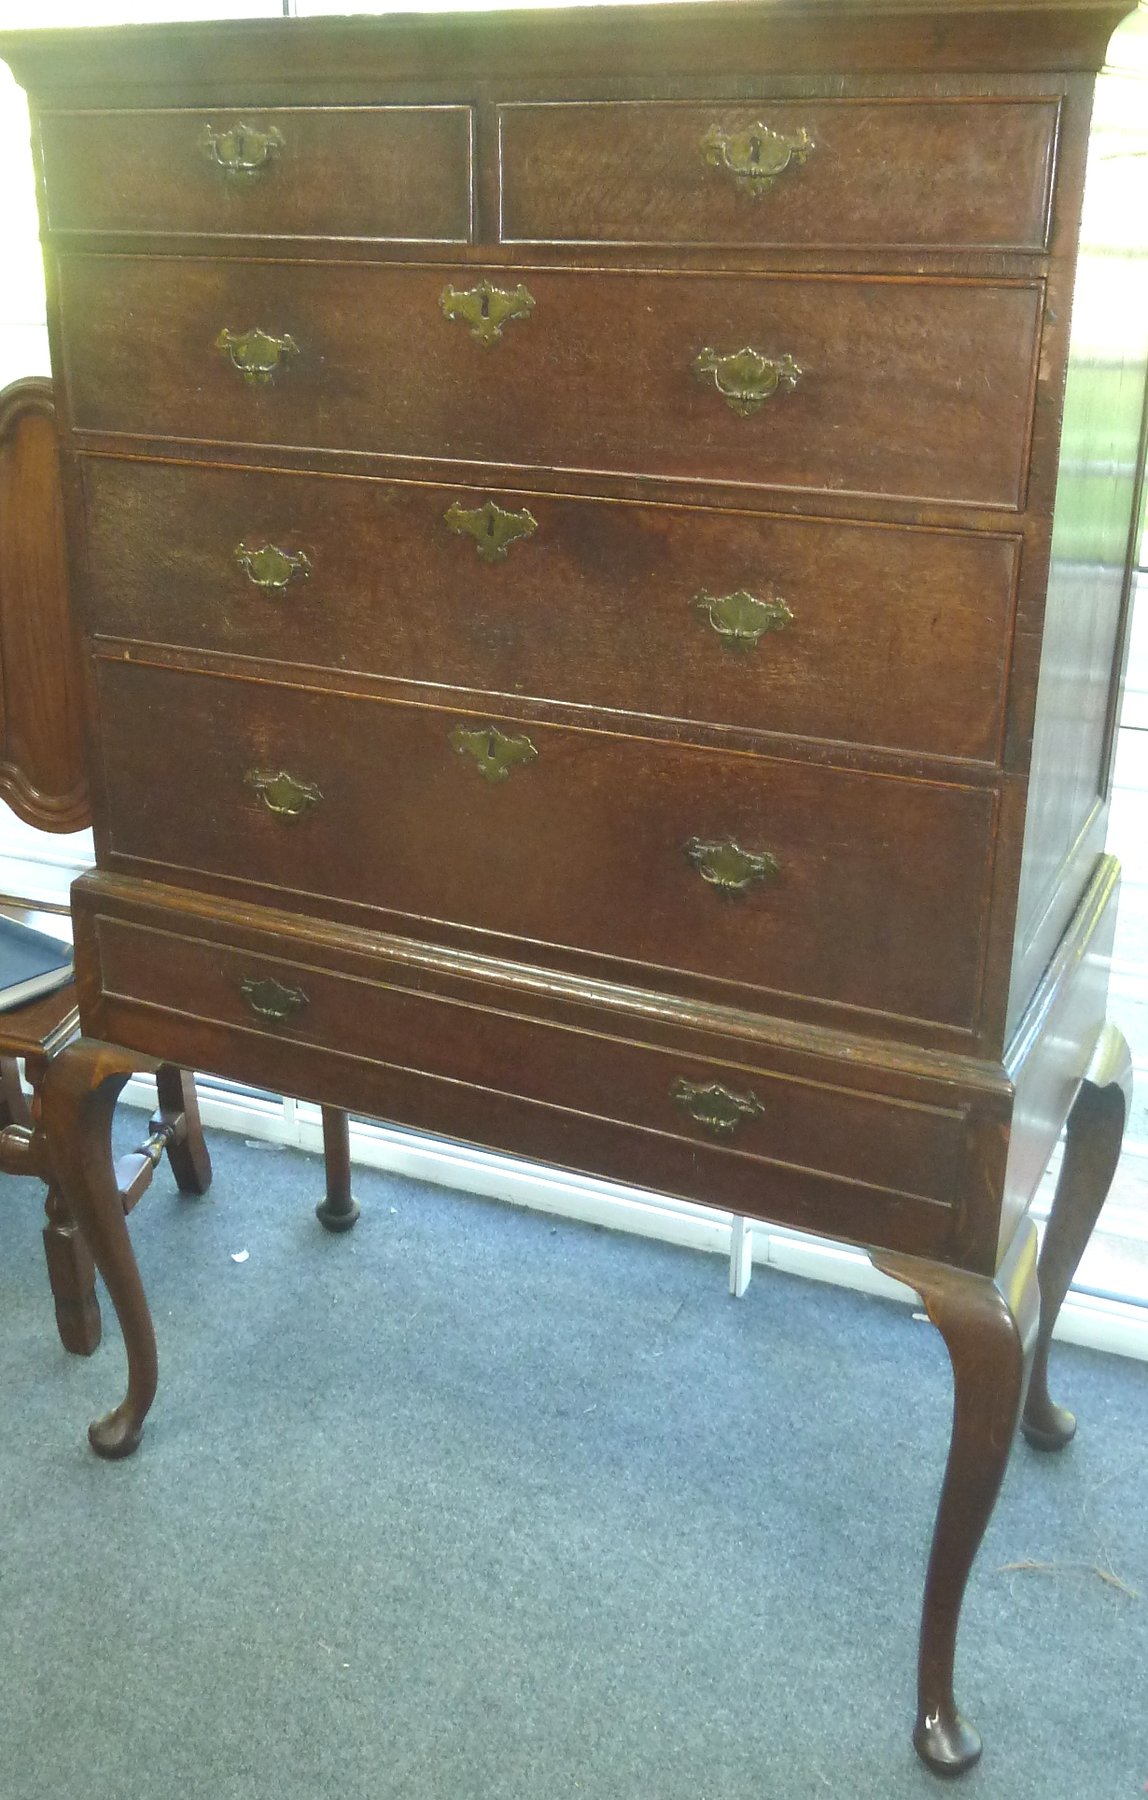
<point>745,378</point>
<point>272,569</point>
<point>717,1108</point>
<point>494,755</point>
<point>739,619</point>
<point>729,868</point>
<point>241,151</point>
<point>256,353</point>
<point>269,999</point>
<point>281,794</point>
<point>486,309</point>
<point>755,157</point>
<point>492,529</point>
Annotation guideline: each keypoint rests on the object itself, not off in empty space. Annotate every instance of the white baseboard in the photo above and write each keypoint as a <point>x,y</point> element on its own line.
<point>1108,1325</point>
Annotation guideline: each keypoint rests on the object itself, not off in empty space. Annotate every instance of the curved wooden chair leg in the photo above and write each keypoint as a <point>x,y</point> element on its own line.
<point>1091,1152</point>
<point>339,1209</point>
<point>78,1097</point>
<point>24,1151</point>
<point>989,1327</point>
<point>72,1275</point>
<point>186,1149</point>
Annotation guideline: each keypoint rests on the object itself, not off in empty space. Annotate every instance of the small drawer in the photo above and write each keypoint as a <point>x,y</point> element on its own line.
<point>392,173</point>
<point>855,633</point>
<point>733,1133</point>
<point>960,173</point>
<point>839,384</point>
<point>856,890</point>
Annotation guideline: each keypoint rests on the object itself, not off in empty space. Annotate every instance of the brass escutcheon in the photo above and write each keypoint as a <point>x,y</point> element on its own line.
<point>492,529</point>
<point>281,794</point>
<point>241,151</point>
<point>739,619</point>
<point>486,309</point>
<point>494,755</point>
<point>270,568</point>
<point>729,868</point>
<point>255,353</point>
<point>269,999</point>
<point>745,378</point>
<point>755,157</point>
<point>717,1108</point>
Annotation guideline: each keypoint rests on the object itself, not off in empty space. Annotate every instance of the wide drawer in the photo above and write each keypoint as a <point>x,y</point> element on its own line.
<point>917,388</point>
<point>960,172</point>
<point>859,890</point>
<point>386,172</point>
<point>738,1134</point>
<point>875,635</point>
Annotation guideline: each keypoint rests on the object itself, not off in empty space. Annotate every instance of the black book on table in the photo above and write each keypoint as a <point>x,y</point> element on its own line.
<point>31,964</point>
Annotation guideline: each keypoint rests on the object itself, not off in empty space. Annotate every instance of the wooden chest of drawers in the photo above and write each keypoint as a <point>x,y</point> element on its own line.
<point>564,514</point>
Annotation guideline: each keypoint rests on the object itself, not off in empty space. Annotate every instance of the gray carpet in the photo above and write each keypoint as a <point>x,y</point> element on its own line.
<point>474,1505</point>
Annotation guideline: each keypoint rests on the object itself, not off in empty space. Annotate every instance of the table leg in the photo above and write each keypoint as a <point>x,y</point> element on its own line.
<point>989,1327</point>
<point>339,1209</point>
<point>186,1149</point>
<point>1091,1153</point>
<point>78,1097</point>
<point>71,1271</point>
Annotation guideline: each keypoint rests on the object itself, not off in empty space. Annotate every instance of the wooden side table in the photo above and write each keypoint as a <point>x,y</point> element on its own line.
<point>36,1033</point>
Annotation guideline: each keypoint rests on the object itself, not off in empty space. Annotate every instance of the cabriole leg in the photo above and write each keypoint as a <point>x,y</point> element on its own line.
<point>1091,1153</point>
<point>989,1327</point>
<point>78,1097</point>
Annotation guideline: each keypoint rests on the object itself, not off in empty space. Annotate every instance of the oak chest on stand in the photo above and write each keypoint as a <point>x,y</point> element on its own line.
<point>563,509</point>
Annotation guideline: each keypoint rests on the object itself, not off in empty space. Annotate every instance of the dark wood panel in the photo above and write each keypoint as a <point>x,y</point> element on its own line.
<point>554,1137</point>
<point>884,35</point>
<point>912,388</point>
<point>399,172</point>
<point>579,1000</point>
<point>938,173</point>
<point>897,638</point>
<point>877,1142</point>
<point>878,901</point>
<point>42,772</point>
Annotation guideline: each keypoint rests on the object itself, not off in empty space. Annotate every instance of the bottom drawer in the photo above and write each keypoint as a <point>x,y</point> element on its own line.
<point>690,1113</point>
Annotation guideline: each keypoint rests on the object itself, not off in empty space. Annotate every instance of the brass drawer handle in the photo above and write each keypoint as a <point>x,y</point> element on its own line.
<point>281,794</point>
<point>755,157</point>
<point>269,999</point>
<point>256,354</point>
<point>486,309</point>
<point>745,378</point>
<point>241,151</point>
<point>728,867</point>
<point>492,529</point>
<point>272,569</point>
<point>739,619</point>
<point>717,1108</point>
<point>494,755</point>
